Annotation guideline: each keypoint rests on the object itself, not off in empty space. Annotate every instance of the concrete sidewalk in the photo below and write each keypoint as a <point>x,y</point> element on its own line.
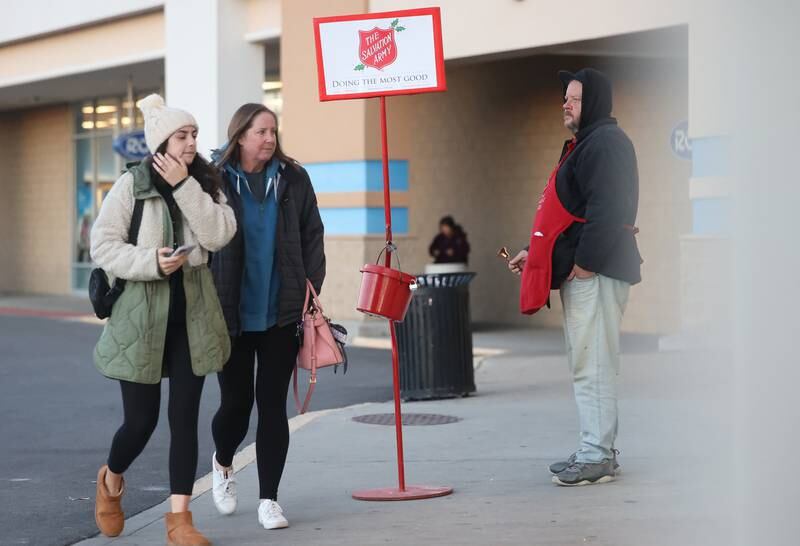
<point>45,305</point>
<point>496,458</point>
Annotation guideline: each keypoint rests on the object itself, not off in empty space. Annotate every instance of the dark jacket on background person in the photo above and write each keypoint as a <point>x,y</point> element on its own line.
<point>300,251</point>
<point>599,181</point>
<point>457,244</point>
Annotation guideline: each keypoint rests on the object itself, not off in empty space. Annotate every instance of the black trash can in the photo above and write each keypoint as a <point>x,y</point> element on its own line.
<point>435,339</point>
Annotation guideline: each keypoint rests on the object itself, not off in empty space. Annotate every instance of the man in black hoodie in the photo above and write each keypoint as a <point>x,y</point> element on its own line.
<point>594,262</point>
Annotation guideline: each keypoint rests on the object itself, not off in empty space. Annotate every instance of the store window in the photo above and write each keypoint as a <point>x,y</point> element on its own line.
<point>272,85</point>
<point>97,123</point>
<point>273,97</point>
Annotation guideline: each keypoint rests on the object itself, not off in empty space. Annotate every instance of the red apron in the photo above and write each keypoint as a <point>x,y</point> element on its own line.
<point>551,220</point>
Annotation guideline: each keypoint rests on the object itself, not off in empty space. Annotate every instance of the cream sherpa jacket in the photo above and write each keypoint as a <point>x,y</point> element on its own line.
<point>208,225</point>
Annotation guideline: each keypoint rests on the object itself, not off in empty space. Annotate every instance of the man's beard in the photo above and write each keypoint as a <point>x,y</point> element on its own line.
<point>571,125</point>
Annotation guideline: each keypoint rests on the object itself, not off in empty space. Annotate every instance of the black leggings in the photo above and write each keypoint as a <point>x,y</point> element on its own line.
<point>277,352</point>
<point>141,403</point>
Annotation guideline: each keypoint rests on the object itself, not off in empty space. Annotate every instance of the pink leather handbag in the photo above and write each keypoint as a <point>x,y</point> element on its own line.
<point>318,347</point>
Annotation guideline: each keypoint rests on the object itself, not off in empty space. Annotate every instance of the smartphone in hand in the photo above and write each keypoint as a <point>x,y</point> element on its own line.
<point>182,250</point>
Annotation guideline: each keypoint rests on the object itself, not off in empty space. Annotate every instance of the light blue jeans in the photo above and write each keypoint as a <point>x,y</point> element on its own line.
<point>593,311</point>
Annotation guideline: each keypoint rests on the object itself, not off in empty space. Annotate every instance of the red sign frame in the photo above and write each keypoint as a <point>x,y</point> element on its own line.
<point>435,13</point>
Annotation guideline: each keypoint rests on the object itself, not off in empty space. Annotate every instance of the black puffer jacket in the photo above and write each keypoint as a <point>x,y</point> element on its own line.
<point>599,181</point>
<point>300,249</point>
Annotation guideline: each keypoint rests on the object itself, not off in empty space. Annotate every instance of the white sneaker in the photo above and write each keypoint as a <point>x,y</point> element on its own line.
<point>270,515</point>
<point>224,488</point>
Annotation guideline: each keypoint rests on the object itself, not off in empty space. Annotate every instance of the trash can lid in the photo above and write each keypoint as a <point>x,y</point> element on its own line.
<point>388,272</point>
<point>445,280</point>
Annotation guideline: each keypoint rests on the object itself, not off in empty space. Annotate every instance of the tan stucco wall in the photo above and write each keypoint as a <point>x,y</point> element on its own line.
<point>263,15</point>
<point>108,44</point>
<point>314,131</point>
<point>36,182</point>
<point>7,217</point>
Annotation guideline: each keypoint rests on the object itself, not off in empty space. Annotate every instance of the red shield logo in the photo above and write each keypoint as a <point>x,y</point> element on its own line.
<point>377,47</point>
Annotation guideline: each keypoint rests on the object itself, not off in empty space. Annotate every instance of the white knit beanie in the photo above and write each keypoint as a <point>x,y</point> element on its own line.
<point>160,122</point>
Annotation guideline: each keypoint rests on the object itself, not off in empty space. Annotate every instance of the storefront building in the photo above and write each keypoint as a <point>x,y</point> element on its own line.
<point>70,75</point>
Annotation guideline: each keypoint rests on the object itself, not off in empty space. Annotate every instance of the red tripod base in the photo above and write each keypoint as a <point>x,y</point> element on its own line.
<point>412,492</point>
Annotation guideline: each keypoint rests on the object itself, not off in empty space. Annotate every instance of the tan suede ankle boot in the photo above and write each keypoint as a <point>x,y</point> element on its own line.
<point>181,531</point>
<point>107,508</point>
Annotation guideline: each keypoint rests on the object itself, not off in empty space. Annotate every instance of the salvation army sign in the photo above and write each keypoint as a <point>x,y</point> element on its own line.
<point>379,54</point>
<point>377,48</point>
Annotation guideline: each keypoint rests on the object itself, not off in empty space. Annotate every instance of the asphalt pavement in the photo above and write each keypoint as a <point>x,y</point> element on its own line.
<point>60,414</point>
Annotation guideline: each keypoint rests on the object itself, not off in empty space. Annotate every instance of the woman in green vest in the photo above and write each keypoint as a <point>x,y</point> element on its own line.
<point>168,321</point>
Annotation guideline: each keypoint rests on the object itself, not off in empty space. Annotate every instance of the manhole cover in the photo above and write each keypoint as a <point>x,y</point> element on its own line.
<point>421,419</point>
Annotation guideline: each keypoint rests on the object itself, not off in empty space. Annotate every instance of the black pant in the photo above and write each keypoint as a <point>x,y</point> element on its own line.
<point>277,352</point>
<point>141,403</point>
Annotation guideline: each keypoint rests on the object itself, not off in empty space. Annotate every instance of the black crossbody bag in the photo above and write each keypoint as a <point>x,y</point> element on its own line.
<point>101,294</point>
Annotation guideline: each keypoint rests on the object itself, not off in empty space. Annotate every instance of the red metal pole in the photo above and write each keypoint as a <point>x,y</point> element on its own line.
<point>387,206</point>
<point>415,491</point>
<point>387,202</point>
<point>398,416</point>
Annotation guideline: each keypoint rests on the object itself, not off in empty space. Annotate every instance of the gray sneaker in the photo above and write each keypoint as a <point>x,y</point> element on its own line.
<point>586,473</point>
<point>561,466</point>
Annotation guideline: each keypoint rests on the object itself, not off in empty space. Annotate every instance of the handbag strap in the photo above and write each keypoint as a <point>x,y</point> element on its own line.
<point>312,382</point>
<point>304,408</point>
<point>317,304</point>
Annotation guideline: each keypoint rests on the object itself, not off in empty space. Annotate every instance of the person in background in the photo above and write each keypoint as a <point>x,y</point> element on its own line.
<point>450,245</point>
<point>84,229</point>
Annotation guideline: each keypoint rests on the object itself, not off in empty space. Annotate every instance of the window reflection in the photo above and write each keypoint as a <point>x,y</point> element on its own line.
<point>97,123</point>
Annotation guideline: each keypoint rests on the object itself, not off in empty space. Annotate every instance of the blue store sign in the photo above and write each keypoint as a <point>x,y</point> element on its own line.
<point>131,145</point>
<point>679,141</point>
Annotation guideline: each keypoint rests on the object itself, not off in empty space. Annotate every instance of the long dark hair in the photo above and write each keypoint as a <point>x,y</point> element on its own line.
<point>201,170</point>
<point>241,121</point>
